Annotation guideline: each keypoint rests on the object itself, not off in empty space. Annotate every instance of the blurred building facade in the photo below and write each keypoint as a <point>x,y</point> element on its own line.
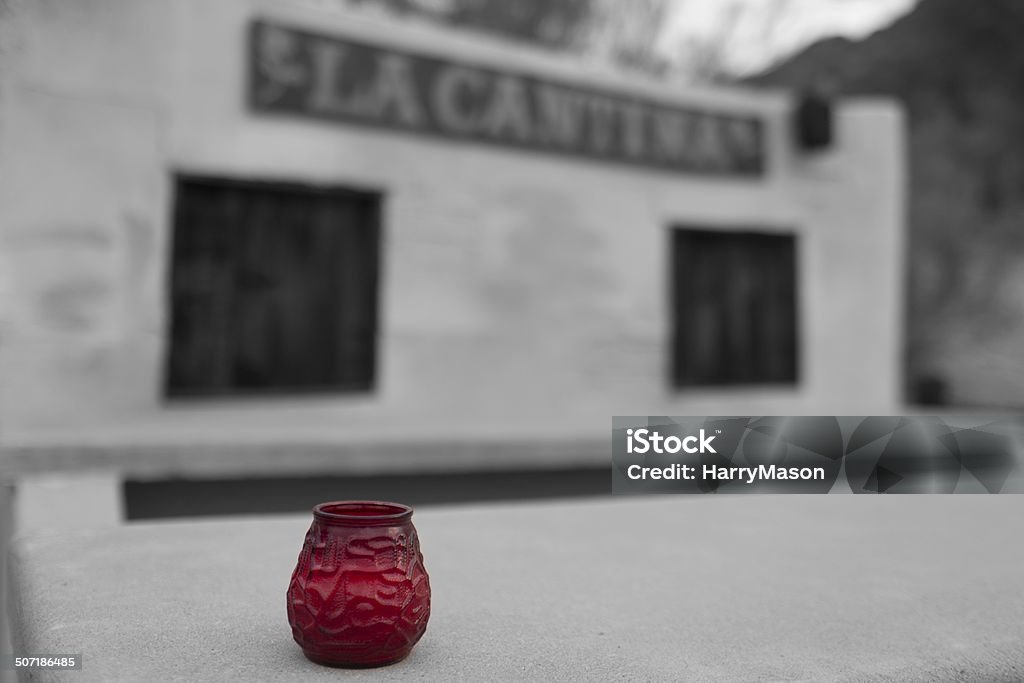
<point>251,215</point>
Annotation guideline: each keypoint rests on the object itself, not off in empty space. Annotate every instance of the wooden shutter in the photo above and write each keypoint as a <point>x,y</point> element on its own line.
<point>274,289</point>
<point>733,303</point>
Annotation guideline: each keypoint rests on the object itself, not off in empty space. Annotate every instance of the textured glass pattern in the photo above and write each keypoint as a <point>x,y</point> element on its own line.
<point>359,595</point>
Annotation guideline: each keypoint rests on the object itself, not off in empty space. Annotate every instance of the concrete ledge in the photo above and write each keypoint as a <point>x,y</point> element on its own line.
<point>6,528</point>
<point>151,459</point>
<point>908,588</point>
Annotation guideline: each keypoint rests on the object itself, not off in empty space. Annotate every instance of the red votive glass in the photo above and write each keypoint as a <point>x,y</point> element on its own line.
<point>359,595</point>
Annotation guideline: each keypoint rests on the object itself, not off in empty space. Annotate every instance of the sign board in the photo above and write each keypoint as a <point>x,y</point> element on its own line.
<point>300,73</point>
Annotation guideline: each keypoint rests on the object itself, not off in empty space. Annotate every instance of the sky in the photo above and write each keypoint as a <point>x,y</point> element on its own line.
<point>764,31</point>
<point>768,30</point>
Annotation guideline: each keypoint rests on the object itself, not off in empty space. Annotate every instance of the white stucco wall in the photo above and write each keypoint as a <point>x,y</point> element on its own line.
<point>519,290</point>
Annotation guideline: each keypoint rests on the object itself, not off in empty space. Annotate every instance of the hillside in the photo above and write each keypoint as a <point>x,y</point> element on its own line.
<point>958,67</point>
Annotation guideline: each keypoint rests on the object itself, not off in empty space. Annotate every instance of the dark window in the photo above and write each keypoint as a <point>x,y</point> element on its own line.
<point>734,308</point>
<point>273,288</point>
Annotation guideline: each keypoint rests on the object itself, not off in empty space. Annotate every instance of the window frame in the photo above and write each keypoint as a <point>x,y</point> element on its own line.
<point>377,197</point>
<point>675,377</point>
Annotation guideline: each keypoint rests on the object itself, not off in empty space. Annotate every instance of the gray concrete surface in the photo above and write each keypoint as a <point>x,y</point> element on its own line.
<point>6,524</point>
<point>668,588</point>
<point>204,453</point>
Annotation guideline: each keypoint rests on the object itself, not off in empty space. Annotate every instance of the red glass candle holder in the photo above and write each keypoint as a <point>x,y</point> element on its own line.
<point>359,595</point>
